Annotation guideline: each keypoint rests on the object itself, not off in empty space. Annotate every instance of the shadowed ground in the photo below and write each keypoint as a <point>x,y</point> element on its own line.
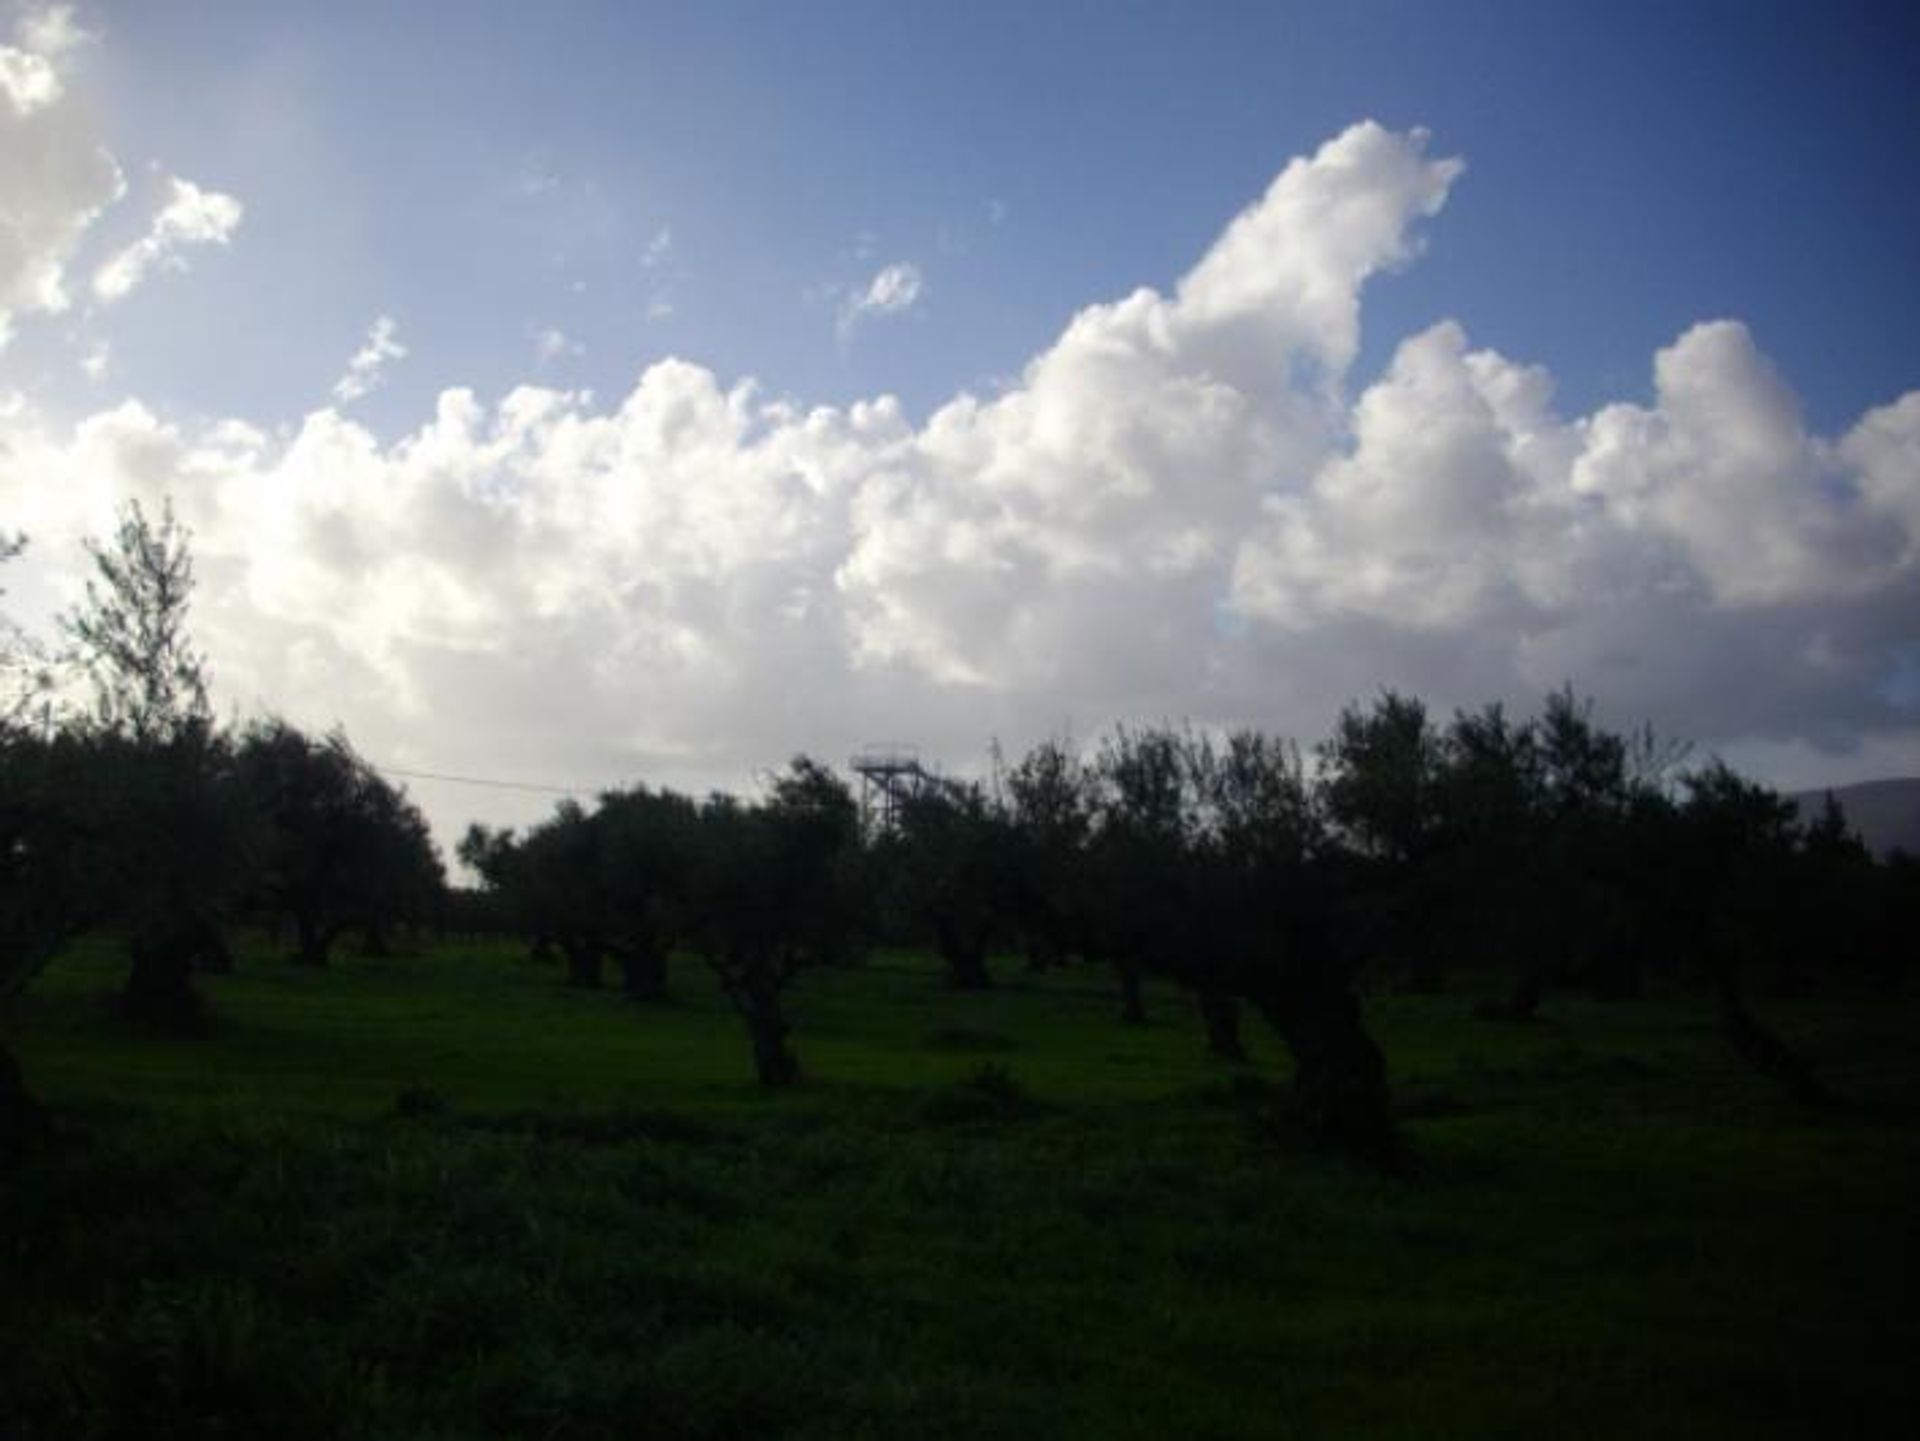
<point>447,1196</point>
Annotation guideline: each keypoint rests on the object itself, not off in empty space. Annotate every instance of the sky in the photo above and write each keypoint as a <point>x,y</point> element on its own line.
<point>582,394</point>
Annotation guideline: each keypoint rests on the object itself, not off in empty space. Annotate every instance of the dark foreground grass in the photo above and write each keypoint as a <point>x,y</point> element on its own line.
<point>442,1197</point>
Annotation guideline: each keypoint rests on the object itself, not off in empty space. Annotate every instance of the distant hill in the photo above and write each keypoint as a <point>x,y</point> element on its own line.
<point>1886,813</point>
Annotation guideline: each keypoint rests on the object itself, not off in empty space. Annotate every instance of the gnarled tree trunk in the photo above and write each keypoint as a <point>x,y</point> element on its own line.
<point>313,941</point>
<point>216,959</point>
<point>159,990</point>
<point>1760,1047</point>
<point>1221,1013</point>
<point>23,1124</point>
<point>773,1061</point>
<point>1524,1003</point>
<point>1340,1078</point>
<point>583,964</point>
<point>1133,1008</point>
<point>964,949</point>
<point>757,998</point>
<point>1616,976</point>
<point>643,972</point>
<point>1045,952</point>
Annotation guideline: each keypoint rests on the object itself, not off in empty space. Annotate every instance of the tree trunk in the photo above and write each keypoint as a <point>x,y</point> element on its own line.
<point>1616,977</point>
<point>1415,932</point>
<point>1524,1003</point>
<point>1222,1016</point>
<point>1426,973</point>
<point>1133,1009</point>
<point>583,964</point>
<point>965,951</point>
<point>216,957</point>
<point>774,1063</point>
<point>159,990</point>
<point>1760,1048</point>
<point>643,972</point>
<point>1045,949</point>
<point>312,941</point>
<point>23,1124</point>
<point>1340,1079</point>
<point>374,942</point>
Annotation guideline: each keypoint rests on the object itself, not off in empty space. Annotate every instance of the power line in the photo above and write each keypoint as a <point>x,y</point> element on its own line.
<point>488,782</point>
<point>496,784</point>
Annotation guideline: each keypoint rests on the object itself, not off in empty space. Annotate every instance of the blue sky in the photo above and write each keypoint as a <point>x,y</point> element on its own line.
<point>1632,169</point>
<point>1468,349</point>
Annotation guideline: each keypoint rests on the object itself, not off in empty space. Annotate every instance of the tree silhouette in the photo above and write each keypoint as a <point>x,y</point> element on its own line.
<point>558,878</point>
<point>1049,803</point>
<point>494,856</point>
<point>487,852</point>
<point>150,684</point>
<point>952,856</point>
<point>1138,858</point>
<point>1257,824</point>
<point>29,676</point>
<point>406,881</point>
<point>645,851</point>
<point>773,889</point>
<point>1280,931</point>
<point>42,877</point>
<point>1840,916</point>
<point>343,847</point>
<point>1213,864</point>
<point>1381,771</point>
<point>1740,841</point>
<point>1589,794</point>
<point>174,842</point>
<point>1488,862</point>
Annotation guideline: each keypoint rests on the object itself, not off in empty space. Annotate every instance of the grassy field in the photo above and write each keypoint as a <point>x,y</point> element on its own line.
<point>442,1196</point>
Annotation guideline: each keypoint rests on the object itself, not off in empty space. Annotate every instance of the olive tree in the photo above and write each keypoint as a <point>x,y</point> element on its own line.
<point>772,889</point>
<point>645,854</point>
<point>39,876</point>
<point>343,847</point>
<point>1740,847</point>
<point>130,634</point>
<point>1279,929</point>
<point>952,860</point>
<point>42,879</point>
<point>1049,802</point>
<point>1380,773</point>
<point>1139,859</point>
<point>1213,863</point>
<point>174,841</point>
<point>554,875</point>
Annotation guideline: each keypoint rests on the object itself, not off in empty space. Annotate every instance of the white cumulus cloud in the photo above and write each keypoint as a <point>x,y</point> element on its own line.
<point>894,289</point>
<point>55,176</point>
<point>188,217</point>
<point>1177,509</point>
<point>367,366</point>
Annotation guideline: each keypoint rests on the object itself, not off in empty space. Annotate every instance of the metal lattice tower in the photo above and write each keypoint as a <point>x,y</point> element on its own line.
<point>890,774</point>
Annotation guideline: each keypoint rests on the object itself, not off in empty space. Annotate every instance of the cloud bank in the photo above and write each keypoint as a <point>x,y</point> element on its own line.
<point>57,180</point>
<point>1176,510</point>
<point>55,176</point>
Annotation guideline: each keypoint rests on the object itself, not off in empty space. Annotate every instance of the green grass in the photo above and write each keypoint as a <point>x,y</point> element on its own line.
<point>444,1196</point>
